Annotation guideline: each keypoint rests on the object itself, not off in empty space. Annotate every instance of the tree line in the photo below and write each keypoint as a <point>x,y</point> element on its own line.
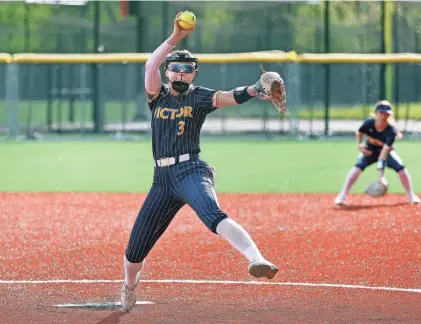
<point>222,27</point>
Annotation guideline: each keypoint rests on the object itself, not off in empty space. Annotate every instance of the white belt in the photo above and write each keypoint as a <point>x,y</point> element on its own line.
<point>166,162</point>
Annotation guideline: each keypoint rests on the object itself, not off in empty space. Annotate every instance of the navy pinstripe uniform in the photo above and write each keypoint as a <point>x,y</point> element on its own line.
<point>375,142</point>
<point>176,125</point>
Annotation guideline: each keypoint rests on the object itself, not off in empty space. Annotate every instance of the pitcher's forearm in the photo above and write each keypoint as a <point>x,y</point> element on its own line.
<point>152,74</point>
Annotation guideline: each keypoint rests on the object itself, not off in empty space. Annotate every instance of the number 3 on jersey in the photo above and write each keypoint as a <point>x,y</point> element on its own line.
<point>181,128</point>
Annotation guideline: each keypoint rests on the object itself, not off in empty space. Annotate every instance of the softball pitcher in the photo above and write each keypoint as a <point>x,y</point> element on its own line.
<point>179,109</point>
<point>381,135</point>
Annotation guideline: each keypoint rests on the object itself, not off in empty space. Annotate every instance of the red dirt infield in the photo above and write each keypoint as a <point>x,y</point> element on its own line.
<point>51,242</point>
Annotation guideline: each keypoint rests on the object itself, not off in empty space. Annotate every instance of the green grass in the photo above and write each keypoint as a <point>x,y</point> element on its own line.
<point>265,167</point>
<point>117,111</point>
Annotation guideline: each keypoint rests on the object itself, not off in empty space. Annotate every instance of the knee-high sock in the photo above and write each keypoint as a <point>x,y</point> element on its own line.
<point>237,236</point>
<point>352,176</point>
<point>405,179</point>
<point>130,272</point>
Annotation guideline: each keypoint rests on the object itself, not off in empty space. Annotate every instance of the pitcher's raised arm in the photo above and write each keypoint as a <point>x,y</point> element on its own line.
<point>152,74</point>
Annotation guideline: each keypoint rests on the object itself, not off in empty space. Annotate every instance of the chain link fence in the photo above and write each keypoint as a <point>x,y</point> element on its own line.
<point>59,98</point>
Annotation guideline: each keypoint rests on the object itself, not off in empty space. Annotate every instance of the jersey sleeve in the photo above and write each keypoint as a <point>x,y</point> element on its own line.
<point>162,92</point>
<point>365,126</point>
<point>204,99</point>
<point>390,136</point>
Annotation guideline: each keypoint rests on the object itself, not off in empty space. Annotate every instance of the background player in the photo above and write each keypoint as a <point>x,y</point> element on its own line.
<point>381,135</point>
<point>178,111</point>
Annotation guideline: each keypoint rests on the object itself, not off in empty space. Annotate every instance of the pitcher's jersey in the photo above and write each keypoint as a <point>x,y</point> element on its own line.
<point>177,120</point>
<point>375,139</point>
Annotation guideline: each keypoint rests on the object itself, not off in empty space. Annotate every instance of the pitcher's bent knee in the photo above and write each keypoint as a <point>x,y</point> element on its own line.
<point>212,218</point>
<point>216,222</point>
<point>134,256</point>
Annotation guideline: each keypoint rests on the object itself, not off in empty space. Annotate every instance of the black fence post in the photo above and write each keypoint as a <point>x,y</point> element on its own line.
<point>383,51</point>
<point>327,65</point>
<point>98,114</point>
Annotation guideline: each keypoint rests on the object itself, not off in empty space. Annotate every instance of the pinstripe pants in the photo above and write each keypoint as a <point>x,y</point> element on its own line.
<point>190,182</point>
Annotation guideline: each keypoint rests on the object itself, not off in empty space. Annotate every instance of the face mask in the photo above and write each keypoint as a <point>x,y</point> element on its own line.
<point>180,86</point>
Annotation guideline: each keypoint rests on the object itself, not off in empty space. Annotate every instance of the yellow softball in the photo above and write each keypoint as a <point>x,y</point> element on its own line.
<point>187,20</point>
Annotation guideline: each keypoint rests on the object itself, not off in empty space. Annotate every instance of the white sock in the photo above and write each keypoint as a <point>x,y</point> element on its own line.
<point>352,176</point>
<point>130,272</point>
<point>237,236</point>
<point>405,179</point>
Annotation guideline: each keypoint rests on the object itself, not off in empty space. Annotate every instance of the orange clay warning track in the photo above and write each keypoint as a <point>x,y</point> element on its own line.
<point>368,254</point>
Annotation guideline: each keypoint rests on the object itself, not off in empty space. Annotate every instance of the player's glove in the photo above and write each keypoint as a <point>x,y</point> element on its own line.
<point>376,189</point>
<point>271,87</point>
